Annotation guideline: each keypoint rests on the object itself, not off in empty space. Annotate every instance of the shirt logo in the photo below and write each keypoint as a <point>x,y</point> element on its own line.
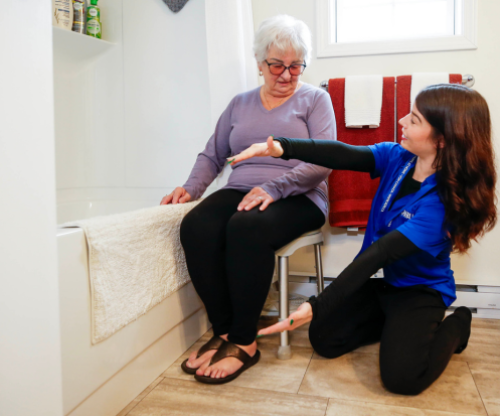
<point>407,215</point>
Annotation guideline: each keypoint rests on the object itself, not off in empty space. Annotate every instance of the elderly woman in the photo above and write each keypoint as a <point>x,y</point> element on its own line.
<point>230,238</point>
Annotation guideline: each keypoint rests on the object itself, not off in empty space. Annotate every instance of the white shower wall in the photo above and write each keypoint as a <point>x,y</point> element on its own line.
<point>130,122</point>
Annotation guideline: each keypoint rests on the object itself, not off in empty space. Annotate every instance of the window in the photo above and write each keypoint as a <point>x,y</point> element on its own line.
<point>365,27</point>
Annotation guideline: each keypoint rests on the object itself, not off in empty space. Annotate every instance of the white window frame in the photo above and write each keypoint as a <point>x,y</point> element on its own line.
<point>326,19</point>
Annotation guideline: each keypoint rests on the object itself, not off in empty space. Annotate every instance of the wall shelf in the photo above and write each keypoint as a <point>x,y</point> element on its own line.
<point>76,47</point>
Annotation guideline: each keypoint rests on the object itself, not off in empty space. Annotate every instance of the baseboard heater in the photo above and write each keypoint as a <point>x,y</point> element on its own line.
<point>485,299</point>
<point>482,299</point>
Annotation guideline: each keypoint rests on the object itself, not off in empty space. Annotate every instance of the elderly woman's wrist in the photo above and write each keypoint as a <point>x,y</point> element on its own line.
<point>191,191</point>
<point>272,191</point>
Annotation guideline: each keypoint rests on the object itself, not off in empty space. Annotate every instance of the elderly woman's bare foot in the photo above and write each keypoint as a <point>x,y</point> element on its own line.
<point>226,366</point>
<point>194,362</point>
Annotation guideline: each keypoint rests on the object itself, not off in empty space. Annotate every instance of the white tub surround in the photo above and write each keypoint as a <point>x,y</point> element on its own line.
<point>135,261</point>
<point>102,379</point>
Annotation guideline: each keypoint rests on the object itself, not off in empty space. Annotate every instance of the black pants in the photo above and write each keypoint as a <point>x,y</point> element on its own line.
<point>230,255</point>
<point>415,343</point>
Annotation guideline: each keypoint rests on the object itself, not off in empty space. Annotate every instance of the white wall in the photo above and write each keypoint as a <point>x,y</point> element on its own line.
<point>483,262</point>
<point>30,369</point>
<point>167,95</point>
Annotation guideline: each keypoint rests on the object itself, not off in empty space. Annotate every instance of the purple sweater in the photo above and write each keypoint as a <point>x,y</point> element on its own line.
<point>307,114</point>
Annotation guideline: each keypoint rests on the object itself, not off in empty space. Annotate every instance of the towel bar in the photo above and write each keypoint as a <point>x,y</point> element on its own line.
<point>467,80</point>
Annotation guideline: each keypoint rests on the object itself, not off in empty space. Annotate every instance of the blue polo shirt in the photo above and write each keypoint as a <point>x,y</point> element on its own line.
<point>419,216</point>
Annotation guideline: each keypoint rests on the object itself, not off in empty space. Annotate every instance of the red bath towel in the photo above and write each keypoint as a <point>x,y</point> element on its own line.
<point>351,193</point>
<point>403,97</point>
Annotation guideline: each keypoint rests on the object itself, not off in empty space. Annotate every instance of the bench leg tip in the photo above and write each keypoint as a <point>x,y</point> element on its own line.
<point>284,352</point>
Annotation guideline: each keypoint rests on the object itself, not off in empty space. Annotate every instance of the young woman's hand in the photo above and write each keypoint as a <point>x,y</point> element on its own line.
<point>179,196</point>
<point>270,148</point>
<point>255,197</point>
<point>301,316</point>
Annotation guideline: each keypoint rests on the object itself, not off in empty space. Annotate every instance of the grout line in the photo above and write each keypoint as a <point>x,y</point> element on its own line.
<point>146,395</point>
<point>304,376</point>
<point>477,388</point>
<point>258,389</point>
<point>402,406</point>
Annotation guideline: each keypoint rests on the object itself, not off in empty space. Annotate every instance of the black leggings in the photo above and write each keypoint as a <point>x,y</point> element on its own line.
<point>415,343</point>
<point>230,255</point>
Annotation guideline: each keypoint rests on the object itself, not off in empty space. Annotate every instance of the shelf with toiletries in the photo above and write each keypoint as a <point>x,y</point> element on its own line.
<point>76,46</point>
<point>77,30</point>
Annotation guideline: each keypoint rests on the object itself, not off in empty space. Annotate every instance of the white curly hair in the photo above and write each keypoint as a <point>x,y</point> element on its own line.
<point>283,32</point>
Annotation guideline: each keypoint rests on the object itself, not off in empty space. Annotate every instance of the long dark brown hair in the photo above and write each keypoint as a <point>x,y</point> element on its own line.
<point>465,162</point>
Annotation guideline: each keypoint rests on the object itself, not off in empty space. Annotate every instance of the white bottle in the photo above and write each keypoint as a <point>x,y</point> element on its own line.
<point>62,14</point>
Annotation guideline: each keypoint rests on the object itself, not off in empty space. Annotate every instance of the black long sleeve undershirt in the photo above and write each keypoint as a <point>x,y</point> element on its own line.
<point>385,251</point>
<point>328,153</point>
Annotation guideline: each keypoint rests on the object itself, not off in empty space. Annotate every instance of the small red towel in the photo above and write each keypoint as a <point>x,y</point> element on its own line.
<point>351,193</point>
<point>403,97</point>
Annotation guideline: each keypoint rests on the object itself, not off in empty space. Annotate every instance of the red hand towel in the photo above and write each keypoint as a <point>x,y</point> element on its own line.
<point>351,193</point>
<point>403,97</point>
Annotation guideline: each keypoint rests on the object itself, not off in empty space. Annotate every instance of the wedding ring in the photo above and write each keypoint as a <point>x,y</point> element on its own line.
<point>259,197</point>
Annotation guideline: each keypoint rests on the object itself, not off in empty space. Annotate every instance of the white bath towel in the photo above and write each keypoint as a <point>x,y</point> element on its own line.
<point>421,80</point>
<point>363,100</point>
<point>135,261</point>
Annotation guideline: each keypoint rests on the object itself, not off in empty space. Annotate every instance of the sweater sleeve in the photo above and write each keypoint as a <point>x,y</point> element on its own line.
<point>385,251</point>
<point>330,154</point>
<point>210,162</point>
<point>306,176</point>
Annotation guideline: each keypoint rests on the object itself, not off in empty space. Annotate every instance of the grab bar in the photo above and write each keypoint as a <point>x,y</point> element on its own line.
<point>467,80</point>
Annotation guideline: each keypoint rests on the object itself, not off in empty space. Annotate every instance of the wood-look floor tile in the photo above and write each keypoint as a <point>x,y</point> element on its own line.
<point>179,397</point>
<point>493,408</point>
<point>338,407</point>
<point>356,376</point>
<point>273,374</point>
<point>141,396</point>
<point>487,378</point>
<point>269,373</point>
<point>483,344</point>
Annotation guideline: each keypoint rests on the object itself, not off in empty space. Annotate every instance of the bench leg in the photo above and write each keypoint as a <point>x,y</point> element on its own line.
<point>284,350</point>
<point>319,268</point>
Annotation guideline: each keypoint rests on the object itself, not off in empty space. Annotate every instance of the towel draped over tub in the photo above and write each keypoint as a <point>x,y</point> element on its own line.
<point>135,261</point>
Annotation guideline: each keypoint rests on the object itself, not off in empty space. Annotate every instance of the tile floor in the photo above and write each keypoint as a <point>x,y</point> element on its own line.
<point>347,386</point>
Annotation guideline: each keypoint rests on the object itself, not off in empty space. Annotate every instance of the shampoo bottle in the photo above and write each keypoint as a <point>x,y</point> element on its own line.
<point>79,15</point>
<point>62,14</point>
<point>94,26</point>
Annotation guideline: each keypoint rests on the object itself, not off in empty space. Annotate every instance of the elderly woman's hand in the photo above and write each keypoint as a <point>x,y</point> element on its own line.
<point>179,196</point>
<point>270,148</point>
<point>255,197</point>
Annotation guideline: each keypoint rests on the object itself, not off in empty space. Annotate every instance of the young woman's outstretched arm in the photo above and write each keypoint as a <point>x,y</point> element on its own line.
<point>328,153</point>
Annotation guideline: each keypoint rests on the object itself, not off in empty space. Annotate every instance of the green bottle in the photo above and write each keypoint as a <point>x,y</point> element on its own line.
<point>94,26</point>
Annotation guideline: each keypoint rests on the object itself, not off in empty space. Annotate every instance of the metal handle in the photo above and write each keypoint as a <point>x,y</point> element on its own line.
<point>467,80</point>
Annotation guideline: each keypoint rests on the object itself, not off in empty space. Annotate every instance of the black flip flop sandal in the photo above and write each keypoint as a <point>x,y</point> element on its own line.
<point>213,343</point>
<point>229,349</point>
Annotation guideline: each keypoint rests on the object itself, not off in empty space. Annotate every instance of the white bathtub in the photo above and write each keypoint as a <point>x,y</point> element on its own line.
<point>101,379</point>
